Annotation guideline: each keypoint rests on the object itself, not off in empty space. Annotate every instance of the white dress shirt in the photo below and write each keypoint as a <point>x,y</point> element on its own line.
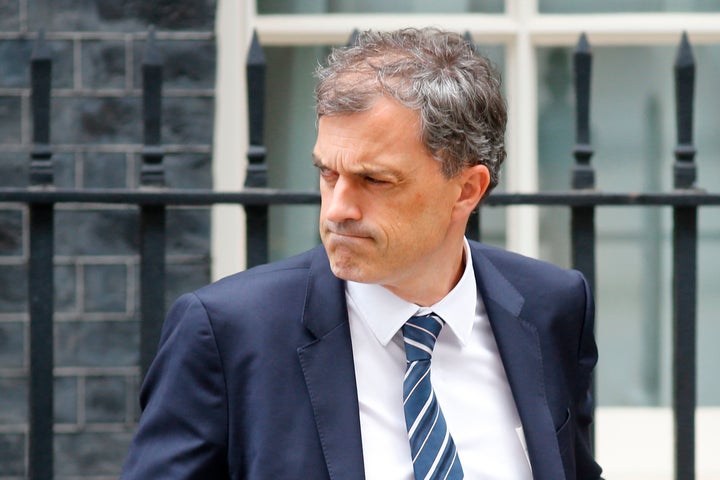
<point>467,375</point>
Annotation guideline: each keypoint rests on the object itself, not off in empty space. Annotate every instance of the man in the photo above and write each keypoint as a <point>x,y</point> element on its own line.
<point>319,366</point>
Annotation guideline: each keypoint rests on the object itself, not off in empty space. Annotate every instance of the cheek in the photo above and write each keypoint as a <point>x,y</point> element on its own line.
<point>403,225</point>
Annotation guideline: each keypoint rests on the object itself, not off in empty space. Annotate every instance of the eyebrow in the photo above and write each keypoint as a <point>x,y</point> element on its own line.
<point>363,170</point>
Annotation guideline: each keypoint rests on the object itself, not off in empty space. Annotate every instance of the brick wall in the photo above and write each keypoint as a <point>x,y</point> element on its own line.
<point>96,134</point>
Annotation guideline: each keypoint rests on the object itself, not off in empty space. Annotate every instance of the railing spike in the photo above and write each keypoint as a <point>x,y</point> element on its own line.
<point>468,38</point>
<point>583,173</point>
<point>685,54</point>
<point>152,172</point>
<point>255,71</point>
<point>256,173</point>
<point>353,39</point>
<point>256,55</point>
<point>583,45</point>
<point>685,171</point>
<point>41,167</point>
<point>40,49</point>
<point>151,55</point>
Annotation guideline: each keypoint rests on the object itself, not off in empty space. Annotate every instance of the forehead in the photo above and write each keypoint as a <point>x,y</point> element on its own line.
<point>387,127</point>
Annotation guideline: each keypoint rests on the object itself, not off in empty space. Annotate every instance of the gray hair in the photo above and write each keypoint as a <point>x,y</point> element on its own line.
<point>456,91</point>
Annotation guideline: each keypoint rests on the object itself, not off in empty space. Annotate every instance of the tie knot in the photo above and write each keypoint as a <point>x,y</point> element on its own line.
<point>420,334</point>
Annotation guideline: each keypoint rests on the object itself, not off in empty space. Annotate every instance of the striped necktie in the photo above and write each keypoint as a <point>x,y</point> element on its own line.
<point>434,454</point>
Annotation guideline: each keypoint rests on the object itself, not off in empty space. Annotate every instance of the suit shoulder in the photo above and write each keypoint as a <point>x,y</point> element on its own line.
<point>275,274</point>
<point>521,269</point>
<point>278,286</point>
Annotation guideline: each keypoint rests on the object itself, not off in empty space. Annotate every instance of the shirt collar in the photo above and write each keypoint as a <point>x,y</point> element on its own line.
<point>385,313</point>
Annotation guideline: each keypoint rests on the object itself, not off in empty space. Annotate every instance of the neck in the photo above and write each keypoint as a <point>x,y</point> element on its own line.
<point>428,288</point>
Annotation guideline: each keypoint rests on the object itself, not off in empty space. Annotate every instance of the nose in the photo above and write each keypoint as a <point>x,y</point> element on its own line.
<point>341,202</point>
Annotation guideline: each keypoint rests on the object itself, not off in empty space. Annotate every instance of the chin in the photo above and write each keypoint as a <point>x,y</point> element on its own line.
<point>345,272</point>
<point>348,270</point>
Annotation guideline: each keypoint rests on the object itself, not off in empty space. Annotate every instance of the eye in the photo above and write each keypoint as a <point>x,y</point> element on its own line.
<point>375,181</point>
<point>320,167</point>
<point>326,174</point>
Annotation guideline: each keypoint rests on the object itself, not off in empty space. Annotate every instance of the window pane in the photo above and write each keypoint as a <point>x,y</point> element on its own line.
<point>625,6</point>
<point>493,219</point>
<point>379,6</point>
<point>633,134</point>
<point>290,136</point>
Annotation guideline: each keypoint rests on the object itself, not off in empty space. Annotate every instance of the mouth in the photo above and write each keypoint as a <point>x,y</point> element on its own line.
<point>348,235</point>
<point>346,231</point>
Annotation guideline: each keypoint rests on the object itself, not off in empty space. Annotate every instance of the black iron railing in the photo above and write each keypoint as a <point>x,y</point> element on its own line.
<point>152,200</point>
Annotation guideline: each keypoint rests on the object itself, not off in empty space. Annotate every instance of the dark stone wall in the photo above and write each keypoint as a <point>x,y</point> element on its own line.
<point>96,135</point>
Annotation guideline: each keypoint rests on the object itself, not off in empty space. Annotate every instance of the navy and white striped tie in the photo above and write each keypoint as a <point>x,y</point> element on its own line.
<point>433,451</point>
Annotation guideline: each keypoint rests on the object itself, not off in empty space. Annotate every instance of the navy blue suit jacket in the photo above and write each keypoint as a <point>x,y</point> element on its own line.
<point>254,376</point>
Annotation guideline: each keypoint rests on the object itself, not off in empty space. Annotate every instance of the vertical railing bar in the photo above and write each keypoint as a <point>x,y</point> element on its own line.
<point>152,217</point>
<point>684,338</point>
<point>152,281</point>
<point>256,216</point>
<point>582,219</point>
<point>583,174</point>
<point>684,270</point>
<point>353,38</point>
<point>479,223</point>
<point>40,288</point>
<point>472,229</point>
<point>41,274</point>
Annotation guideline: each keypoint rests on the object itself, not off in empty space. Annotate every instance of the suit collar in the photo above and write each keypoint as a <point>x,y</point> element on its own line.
<point>327,364</point>
<point>492,284</point>
<point>519,346</point>
<point>325,306</point>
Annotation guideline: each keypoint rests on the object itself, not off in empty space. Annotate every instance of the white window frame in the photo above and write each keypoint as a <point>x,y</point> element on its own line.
<point>521,29</point>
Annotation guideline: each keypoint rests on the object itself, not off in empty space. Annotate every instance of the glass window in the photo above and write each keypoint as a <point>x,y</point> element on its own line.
<point>633,134</point>
<point>627,6</point>
<point>379,6</point>
<point>290,136</point>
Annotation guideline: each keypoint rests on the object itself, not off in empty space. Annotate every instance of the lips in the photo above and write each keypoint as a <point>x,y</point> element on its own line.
<point>347,235</point>
<point>346,231</point>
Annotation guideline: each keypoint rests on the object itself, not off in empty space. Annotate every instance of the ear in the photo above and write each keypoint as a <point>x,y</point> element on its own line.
<point>474,182</point>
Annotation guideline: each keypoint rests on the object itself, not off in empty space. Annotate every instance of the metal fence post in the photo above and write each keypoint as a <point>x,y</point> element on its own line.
<point>256,215</point>
<point>582,219</point>
<point>684,269</point>
<point>583,173</point>
<point>40,273</point>
<point>152,217</point>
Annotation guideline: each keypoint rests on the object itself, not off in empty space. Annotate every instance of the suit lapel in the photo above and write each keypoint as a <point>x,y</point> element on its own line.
<point>327,364</point>
<point>519,345</point>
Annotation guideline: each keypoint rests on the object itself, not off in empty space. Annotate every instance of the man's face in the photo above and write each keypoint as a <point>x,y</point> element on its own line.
<point>388,214</point>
